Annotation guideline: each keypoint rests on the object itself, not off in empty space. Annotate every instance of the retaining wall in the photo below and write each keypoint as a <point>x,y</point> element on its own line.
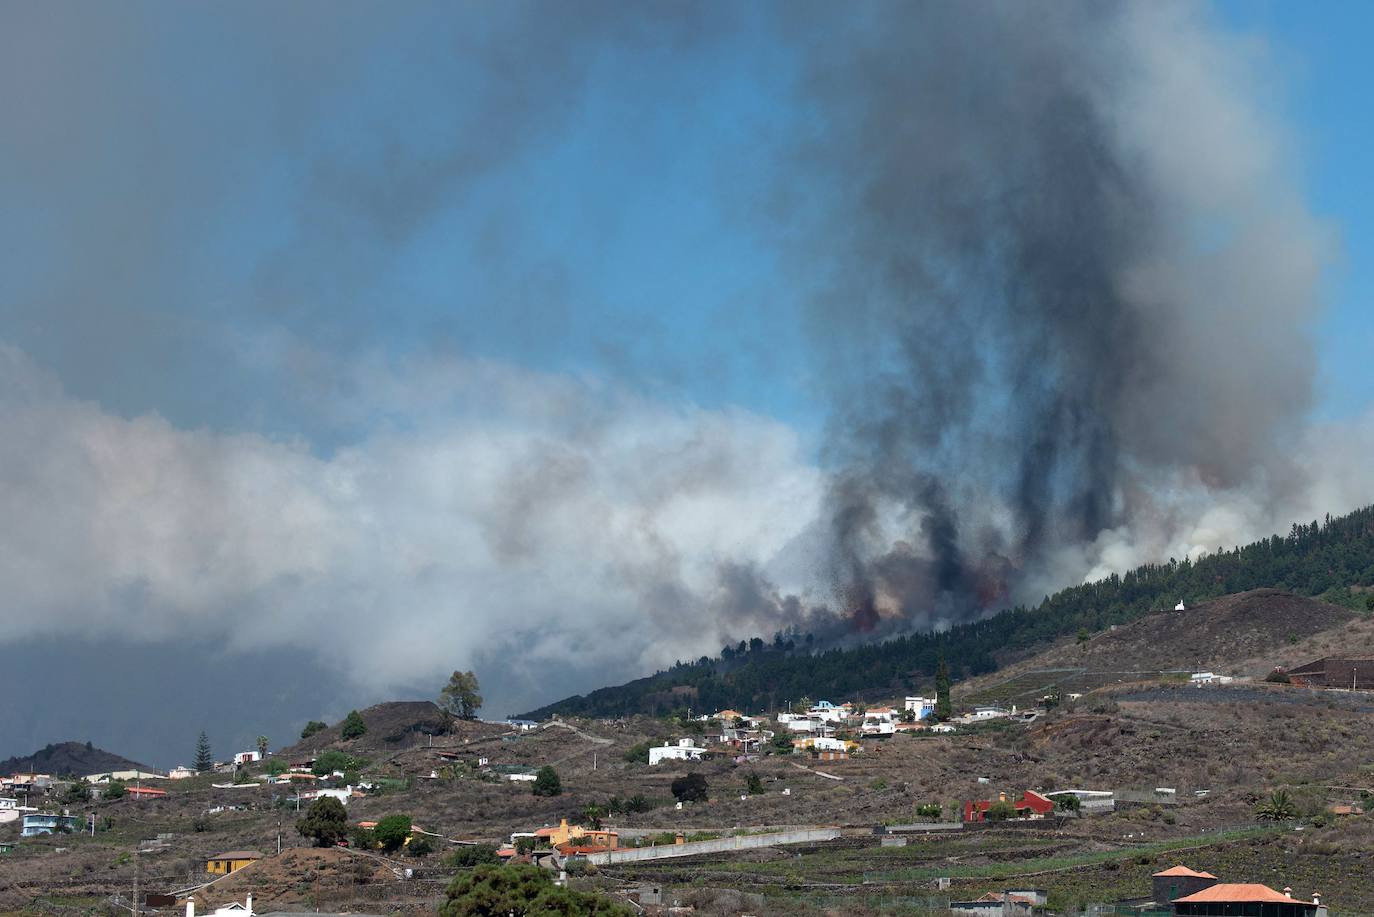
<point>720,845</point>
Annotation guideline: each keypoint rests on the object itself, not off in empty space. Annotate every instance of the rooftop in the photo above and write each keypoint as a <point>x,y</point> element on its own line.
<point>1238,893</point>
<point>237,855</point>
<point>1183,872</point>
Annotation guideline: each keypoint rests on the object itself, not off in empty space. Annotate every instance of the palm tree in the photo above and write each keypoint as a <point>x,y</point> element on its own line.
<point>1278,807</point>
<point>262,746</point>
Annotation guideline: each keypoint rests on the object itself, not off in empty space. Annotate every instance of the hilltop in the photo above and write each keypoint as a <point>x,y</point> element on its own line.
<point>390,725</point>
<point>78,758</point>
<point>1318,559</point>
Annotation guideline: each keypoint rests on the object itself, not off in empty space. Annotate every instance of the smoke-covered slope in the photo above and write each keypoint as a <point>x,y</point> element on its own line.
<point>1313,559</point>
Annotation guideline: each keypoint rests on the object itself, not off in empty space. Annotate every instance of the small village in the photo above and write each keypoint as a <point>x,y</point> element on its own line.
<point>643,811</point>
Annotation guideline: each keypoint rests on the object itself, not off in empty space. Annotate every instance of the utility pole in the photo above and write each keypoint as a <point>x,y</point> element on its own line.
<point>278,832</point>
<point>136,908</point>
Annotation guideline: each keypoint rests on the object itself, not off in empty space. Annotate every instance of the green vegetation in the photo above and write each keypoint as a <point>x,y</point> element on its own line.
<point>313,727</point>
<point>420,846</point>
<point>391,832</point>
<point>753,785</point>
<point>546,782</point>
<point>325,822</point>
<point>943,708</point>
<point>204,759</point>
<point>690,788</point>
<point>639,752</point>
<point>470,856</point>
<point>115,789</point>
<point>1278,807</point>
<point>521,891</point>
<point>262,746</point>
<point>1001,810</point>
<point>460,696</point>
<point>332,759</point>
<point>1311,559</point>
<point>353,726</point>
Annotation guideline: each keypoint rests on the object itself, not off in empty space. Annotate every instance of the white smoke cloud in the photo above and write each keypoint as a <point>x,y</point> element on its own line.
<point>575,522</point>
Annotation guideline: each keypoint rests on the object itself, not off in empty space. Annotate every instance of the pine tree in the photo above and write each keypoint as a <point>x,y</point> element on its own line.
<point>943,708</point>
<point>204,759</point>
<point>353,726</point>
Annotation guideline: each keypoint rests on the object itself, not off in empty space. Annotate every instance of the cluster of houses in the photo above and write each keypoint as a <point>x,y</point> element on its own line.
<point>824,730</point>
<point>563,840</point>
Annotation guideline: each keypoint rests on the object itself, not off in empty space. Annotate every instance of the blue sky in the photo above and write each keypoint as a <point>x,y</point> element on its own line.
<point>1324,70</point>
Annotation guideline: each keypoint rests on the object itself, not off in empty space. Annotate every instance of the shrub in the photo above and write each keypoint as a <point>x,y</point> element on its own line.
<point>929,810</point>
<point>753,785</point>
<point>472,855</point>
<point>639,754</point>
<point>1068,803</point>
<point>1001,810</point>
<point>546,782</point>
<point>313,727</point>
<point>420,846</point>
<point>116,789</point>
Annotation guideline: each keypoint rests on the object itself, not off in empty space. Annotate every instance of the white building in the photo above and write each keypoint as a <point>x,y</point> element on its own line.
<point>180,772</point>
<point>684,750</point>
<point>921,706</point>
<point>1209,678</point>
<point>248,757</point>
<point>124,776</point>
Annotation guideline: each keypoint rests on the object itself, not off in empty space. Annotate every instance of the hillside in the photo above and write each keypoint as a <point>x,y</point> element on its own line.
<point>390,725</point>
<point>70,758</point>
<point>1324,559</point>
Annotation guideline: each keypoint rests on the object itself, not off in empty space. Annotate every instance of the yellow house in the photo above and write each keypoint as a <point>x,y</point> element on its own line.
<point>232,861</point>
<point>566,833</point>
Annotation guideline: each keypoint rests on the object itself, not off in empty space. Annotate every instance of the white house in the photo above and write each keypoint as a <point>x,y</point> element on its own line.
<point>233,909</point>
<point>1209,678</point>
<point>822,743</point>
<point>826,712</point>
<point>880,721</point>
<point>684,750</point>
<point>986,713</point>
<point>342,795</point>
<point>124,776</point>
<point>942,727</point>
<point>921,706</point>
<point>248,757</point>
<point>180,772</point>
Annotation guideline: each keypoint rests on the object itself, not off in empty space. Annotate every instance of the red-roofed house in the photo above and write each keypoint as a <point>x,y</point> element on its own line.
<point>1178,882</point>
<point>1030,805</point>
<point>1246,900</point>
<point>143,792</point>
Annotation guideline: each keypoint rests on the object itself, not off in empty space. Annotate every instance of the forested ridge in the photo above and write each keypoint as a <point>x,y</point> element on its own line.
<point>1318,559</point>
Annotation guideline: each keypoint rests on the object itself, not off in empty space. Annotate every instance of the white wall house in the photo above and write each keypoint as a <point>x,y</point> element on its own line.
<point>684,750</point>
<point>248,757</point>
<point>921,706</point>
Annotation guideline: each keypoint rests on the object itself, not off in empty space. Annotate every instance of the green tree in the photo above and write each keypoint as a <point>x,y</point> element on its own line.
<point>546,782</point>
<point>325,822</point>
<point>362,838</point>
<point>332,759</point>
<point>353,726</point>
<point>78,793</point>
<point>1278,807</point>
<point>262,746</point>
<point>313,727</point>
<point>461,695</point>
<point>943,708</point>
<point>780,744</point>
<point>115,789</point>
<point>276,767</point>
<point>470,855</point>
<point>592,815</point>
<point>391,832</point>
<point>753,785</point>
<point>205,759</point>
<point>420,846</point>
<point>521,891</point>
<point>690,788</point>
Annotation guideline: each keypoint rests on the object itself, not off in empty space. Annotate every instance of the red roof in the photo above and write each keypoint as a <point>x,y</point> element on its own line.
<point>144,791</point>
<point>1183,872</point>
<point>1240,893</point>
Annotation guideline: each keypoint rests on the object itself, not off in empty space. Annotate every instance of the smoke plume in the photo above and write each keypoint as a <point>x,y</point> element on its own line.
<point>1061,265</point>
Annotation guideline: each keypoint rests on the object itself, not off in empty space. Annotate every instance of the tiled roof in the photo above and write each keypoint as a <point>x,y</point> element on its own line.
<point>237,855</point>
<point>1183,872</point>
<point>1239,893</point>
